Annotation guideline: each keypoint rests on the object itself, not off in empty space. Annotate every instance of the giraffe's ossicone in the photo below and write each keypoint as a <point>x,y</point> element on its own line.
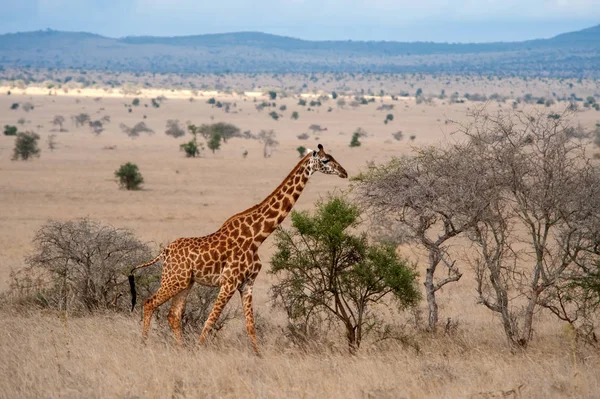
<point>229,257</point>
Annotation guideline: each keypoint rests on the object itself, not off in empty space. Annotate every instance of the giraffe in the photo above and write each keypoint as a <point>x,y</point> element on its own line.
<point>228,258</point>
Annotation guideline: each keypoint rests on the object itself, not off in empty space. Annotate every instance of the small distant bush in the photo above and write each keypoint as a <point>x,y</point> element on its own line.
<point>398,135</point>
<point>27,107</point>
<point>214,143</point>
<point>190,148</point>
<point>282,108</point>
<point>295,115</point>
<point>302,136</point>
<point>334,95</point>
<point>26,146</point>
<point>96,126</point>
<point>272,95</point>
<point>389,117</point>
<point>355,142</point>
<point>135,131</point>
<point>14,106</point>
<point>174,129</point>
<point>211,100</point>
<point>136,102</point>
<point>412,138</point>
<point>302,102</point>
<point>274,115</point>
<point>81,119</point>
<point>155,103</point>
<point>301,150</point>
<point>129,176</point>
<point>10,130</point>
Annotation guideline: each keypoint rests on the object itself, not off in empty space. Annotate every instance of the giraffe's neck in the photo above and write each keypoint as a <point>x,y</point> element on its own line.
<point>267,215</point>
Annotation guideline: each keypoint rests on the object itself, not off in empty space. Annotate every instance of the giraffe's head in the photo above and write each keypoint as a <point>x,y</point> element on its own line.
<point>325,163</point>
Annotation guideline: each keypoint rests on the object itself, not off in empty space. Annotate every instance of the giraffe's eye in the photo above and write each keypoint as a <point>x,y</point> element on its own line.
<point>325,160</point>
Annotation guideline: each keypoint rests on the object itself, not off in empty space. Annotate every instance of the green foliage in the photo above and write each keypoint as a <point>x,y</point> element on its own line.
<point>328,273</point>
<point>10,130</point>
<point>334,95</point>
<point>355,142</point>
<point>282,108</point>
<point>14,106</point>
<point>190,148</point>
<point>301,150</point>
<point>211,100</point>
<point>389,117</point>
<point>26,146</point>
<point>225,130</point>
<point>295,115</point>
<point>136,102</point>
<point>274,115</point>
<point>419,92</point>
<point>214,143</point>
<point>272,95</point>
<point>129,176</point>
<point>155,103</point>
<point>302,102</point>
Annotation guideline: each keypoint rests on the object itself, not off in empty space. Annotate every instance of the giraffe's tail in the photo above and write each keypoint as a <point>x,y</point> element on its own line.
<point>132,278</point>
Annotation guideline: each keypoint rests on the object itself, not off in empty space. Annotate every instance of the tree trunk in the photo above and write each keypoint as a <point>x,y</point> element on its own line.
<point>431,302</point>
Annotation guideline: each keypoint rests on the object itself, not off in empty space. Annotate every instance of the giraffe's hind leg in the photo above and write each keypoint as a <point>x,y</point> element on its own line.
<point>167,290</point>
<point>246,294</point>
<point>176,311</point>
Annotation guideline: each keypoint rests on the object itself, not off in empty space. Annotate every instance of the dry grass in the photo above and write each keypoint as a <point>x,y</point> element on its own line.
<point>102,356</point>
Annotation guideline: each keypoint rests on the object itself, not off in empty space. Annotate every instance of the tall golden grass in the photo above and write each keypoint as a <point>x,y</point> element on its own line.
<point>44,354</point>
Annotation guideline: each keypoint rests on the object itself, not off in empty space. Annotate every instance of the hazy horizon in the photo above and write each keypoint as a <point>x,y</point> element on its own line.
<point>430,20</point>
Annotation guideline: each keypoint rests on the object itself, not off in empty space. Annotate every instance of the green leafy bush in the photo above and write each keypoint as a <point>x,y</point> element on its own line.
<point>129,176</point>
<point>26,146</point>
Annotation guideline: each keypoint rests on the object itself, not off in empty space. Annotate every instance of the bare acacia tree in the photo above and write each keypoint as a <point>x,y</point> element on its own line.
<point>427,200</point>
<point>59,120</point>
<point>84,264</point>
<point>267,138</point>
<point>540,234</point>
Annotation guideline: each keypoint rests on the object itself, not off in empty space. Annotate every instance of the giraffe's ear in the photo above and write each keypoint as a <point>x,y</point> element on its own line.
<point>320,147</point>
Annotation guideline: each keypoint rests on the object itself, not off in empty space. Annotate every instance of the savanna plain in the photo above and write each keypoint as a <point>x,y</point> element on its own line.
<point>47,353</point>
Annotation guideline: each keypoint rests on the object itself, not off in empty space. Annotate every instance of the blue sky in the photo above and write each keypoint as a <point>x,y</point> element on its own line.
<point>400,20</point>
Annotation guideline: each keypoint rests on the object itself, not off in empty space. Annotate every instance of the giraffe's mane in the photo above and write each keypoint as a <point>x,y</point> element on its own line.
<point>254,207</point>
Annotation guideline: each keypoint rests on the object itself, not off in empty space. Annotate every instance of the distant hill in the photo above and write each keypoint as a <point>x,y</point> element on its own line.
<point>573,54</point>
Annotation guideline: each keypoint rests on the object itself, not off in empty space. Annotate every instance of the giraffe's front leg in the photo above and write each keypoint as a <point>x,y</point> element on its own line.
<point>227,289</point>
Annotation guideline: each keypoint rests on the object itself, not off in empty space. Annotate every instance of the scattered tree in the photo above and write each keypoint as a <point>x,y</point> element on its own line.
<point>174,129</point>
<point>214,143</point>
<point>81,119</point>
<point>272,95</point>
<point>81,266</point>
<point>10,130</point>
<point>26,146</point>
<point>327,274</point>
<point>129,176</point>
<point>267,138</point>
<point>59,120</point>
<point>295,115</point>
<point>51,141</point>
<point>135,131</point>
<point>301,150</point>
